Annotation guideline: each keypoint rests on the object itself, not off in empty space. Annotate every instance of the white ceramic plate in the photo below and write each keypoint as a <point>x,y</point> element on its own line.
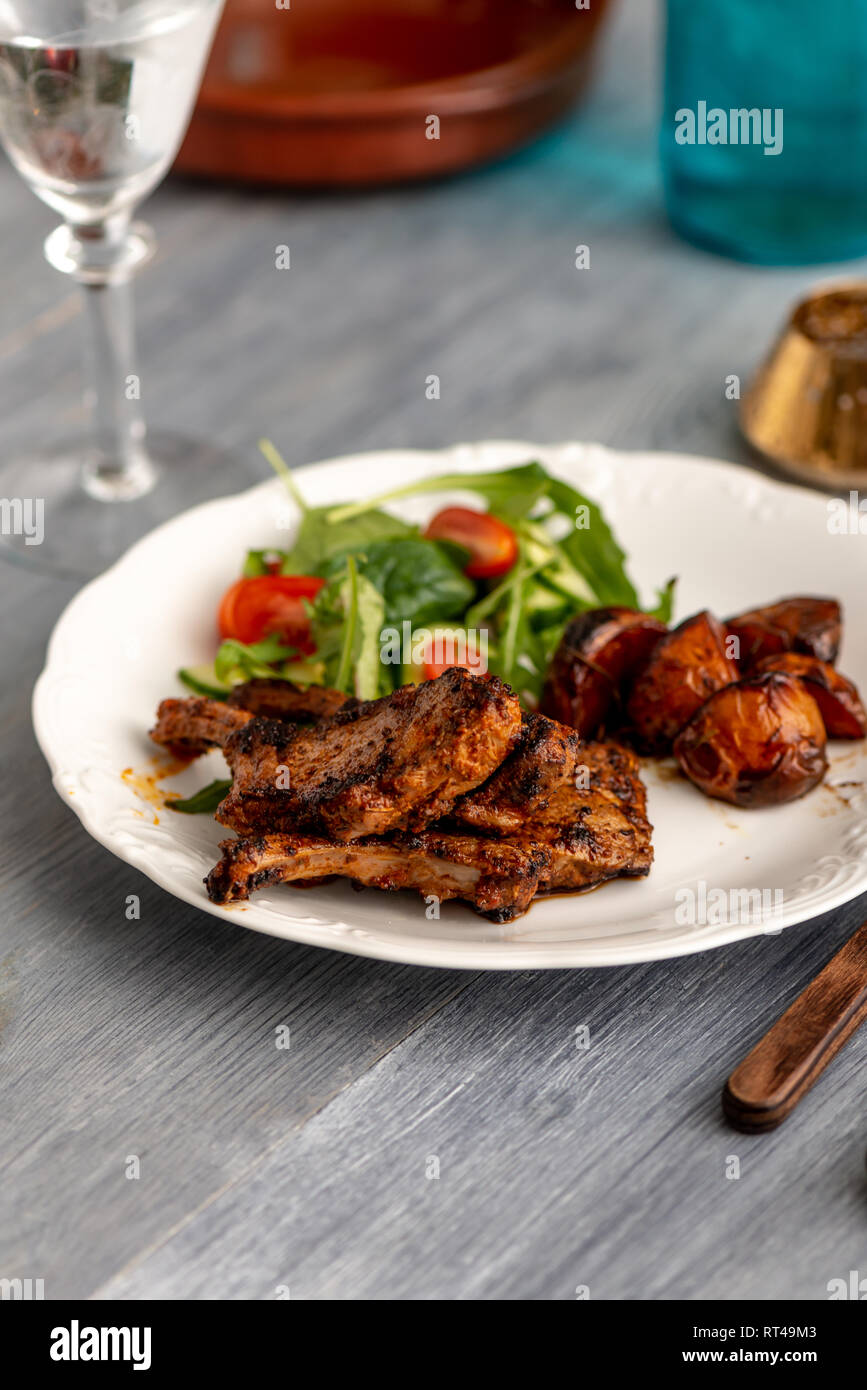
<point>734,538</point>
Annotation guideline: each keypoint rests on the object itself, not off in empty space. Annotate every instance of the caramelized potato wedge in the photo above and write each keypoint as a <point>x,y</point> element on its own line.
<point>758,743</point>
<point>684,669</point>
<point>599,650</point>
<point>839,703</point>
<point>809,625</point>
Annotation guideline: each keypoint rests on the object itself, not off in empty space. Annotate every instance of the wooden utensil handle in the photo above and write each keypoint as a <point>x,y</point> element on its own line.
<point>768,1084</point>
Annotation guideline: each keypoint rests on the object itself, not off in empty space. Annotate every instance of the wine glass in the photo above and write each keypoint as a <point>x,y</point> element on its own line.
<point>95,98</point>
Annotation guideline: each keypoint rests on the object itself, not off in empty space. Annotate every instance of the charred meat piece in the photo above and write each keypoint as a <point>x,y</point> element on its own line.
<point>839,703</point>
<point>532,783</point>
<point>758,743</point>
<point>684,669</point>
<point>190,727</point>
<point>607,835</point>
<point>498,879</point>
<point>810,625</point>
<point>278,699</point>
<point>599,651</point>
<point>616,773</point>
<point>391,764</point>
<point>585,802</point>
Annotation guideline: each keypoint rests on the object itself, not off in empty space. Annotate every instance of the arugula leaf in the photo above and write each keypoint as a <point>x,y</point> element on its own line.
<point>510,492</point>
<point>319,540</point>
<point>317,537</point>
<point>236,661</point>
<point>284,473</point>
<point>593,549</point>
<point>517,655</point>
<point>665,605</point>
<point>514,494</point>
<point>208,799</point>
<point>488,604</point>
<point>349,597</point>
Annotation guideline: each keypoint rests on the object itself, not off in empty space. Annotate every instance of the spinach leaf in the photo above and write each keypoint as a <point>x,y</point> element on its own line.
<point>420,580</point>
<point>206,800</point>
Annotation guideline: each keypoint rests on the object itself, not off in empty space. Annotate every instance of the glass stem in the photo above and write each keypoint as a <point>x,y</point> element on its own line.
<point>102,258</point>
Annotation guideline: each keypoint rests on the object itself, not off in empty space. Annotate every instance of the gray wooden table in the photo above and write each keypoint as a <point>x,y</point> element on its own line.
<point>261,1169</point>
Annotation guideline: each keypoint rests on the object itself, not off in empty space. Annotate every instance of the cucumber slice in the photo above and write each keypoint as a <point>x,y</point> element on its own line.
<point>202,680</point>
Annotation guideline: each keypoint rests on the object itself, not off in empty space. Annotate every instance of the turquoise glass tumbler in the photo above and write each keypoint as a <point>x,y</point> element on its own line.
<point>764,127</point>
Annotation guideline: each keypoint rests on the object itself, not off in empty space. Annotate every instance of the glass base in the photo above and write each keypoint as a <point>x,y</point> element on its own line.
<point>57,519</point>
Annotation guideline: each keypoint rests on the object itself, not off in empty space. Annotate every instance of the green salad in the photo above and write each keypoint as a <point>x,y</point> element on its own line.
<point>364,601</point>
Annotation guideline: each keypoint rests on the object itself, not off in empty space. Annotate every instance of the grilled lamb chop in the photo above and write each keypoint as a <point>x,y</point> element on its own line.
<point>607,834</point>
<point>279,699</point>
<point>498,879</point>
<point>585,802</point>
<point>190,727</point>
<point>396,763</point>
<point>615,772</point>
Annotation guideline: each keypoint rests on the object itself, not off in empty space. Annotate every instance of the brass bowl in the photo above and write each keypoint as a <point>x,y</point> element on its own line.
<point>806,409</point>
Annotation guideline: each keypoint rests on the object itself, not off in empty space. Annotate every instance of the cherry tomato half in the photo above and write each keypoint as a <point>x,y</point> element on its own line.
<point>492,544</point>
<point>449,646</point>
<point>432,669</point>
<point>270,603</point>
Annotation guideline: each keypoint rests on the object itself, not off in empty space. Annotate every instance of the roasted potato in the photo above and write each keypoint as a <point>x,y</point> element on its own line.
<point>839,703</point>
<point>685,667</point>
<point>599,650</point>
<point>810,625</point>
<point>758,743</point>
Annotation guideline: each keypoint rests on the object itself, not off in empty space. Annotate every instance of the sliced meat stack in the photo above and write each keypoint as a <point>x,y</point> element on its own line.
<point>397,763</point>
<point>442,787</point>
<point>746,705</point>
<point>498,879</point>
<point>585,803</point>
